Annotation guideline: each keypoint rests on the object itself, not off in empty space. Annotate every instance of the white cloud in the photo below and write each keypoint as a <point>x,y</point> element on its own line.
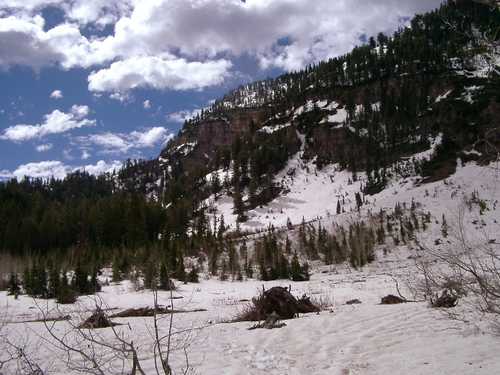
<point>57,169</point>
<point>44,147</point>
<point>56,94</point>
<point>101,12</point>
<point>146,104</point>
<point>85,155</point>
<point>314,29</point>
<point>24,43</point>
<point>121,97</point>
<point>80,111</point>
<point>101,167</point>
<point>150,137</point>
<point>188,44</point>
<point>110,142</point>
<point>5,174</point>
<point>27,5</point>
<point>54,123</point>
<point>43,169</point>
<point>183,115</point>
<point>159,73</point>
<point>119,143</point>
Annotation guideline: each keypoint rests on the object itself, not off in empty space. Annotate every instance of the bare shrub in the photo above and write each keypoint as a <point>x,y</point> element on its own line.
<point>467,267</point>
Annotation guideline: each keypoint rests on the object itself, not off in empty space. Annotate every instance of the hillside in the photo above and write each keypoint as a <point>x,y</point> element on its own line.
<point>365,113</point>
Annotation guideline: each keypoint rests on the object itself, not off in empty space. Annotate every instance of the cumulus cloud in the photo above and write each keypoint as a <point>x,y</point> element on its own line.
<point>44,147</point>
<point>102,167</point>
<point>57,169</point>
<point>100,12</point>
<point>110,142</point>
<point>119,143</point>
<point>183,115</point>
<point>56,94</point>
<point>159,73</point>
<point>54,123</point>
<point>150,137</point>
<point>27,6</point>
<point>146,104</point>
<point>24,43</point>
<point>43,169</point>
<point>188,44</point>
<point>312,30</point>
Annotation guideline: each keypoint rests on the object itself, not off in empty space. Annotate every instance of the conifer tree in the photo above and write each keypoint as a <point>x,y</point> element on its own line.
<point>444,227</point>
<point>14,288</point>
<point>54,282</point>
<point>180,272</point>
<point>298,272</point>
<point>94,286</point>
<point>165,283</point>
<point>192,276</point>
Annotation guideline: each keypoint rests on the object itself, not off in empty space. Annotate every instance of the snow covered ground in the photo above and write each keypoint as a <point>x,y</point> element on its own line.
<point>368,338</point>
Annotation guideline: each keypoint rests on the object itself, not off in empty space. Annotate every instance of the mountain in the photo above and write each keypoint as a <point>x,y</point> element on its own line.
<point>434,83</point>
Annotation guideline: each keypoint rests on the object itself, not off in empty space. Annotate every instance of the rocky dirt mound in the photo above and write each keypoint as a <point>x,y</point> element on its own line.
<point>391,300</point>
<point>279,301</point>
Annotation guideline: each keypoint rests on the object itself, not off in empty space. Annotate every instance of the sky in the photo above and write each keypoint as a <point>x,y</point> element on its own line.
<point>87,84</point>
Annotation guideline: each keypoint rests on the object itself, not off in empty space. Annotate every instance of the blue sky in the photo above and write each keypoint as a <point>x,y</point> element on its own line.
<point>92,83</point>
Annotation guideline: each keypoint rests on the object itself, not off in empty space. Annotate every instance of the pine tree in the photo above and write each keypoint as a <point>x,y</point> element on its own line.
<point>180,272</point>
<point>288,246</point>
<point>54,283</point>
<point>28,281</point>
<point>192,276</point>
<point>14,288</point>
<point>222,229</point>
<point>80,280</point>
<point>223,271</point>
<point>444,227</point>
<point>284,268</point>
<point>150,275</point>
<point>298,272</point>
<point>116,273</point>
<point>94,286</point>
<point>66,293</point>
<point>264,275</point>
<point>249,269</point>
<point>165,282</point>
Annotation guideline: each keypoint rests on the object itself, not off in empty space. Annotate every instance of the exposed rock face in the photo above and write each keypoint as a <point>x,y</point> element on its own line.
<point>209,136</point>
<point>328,143</point>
